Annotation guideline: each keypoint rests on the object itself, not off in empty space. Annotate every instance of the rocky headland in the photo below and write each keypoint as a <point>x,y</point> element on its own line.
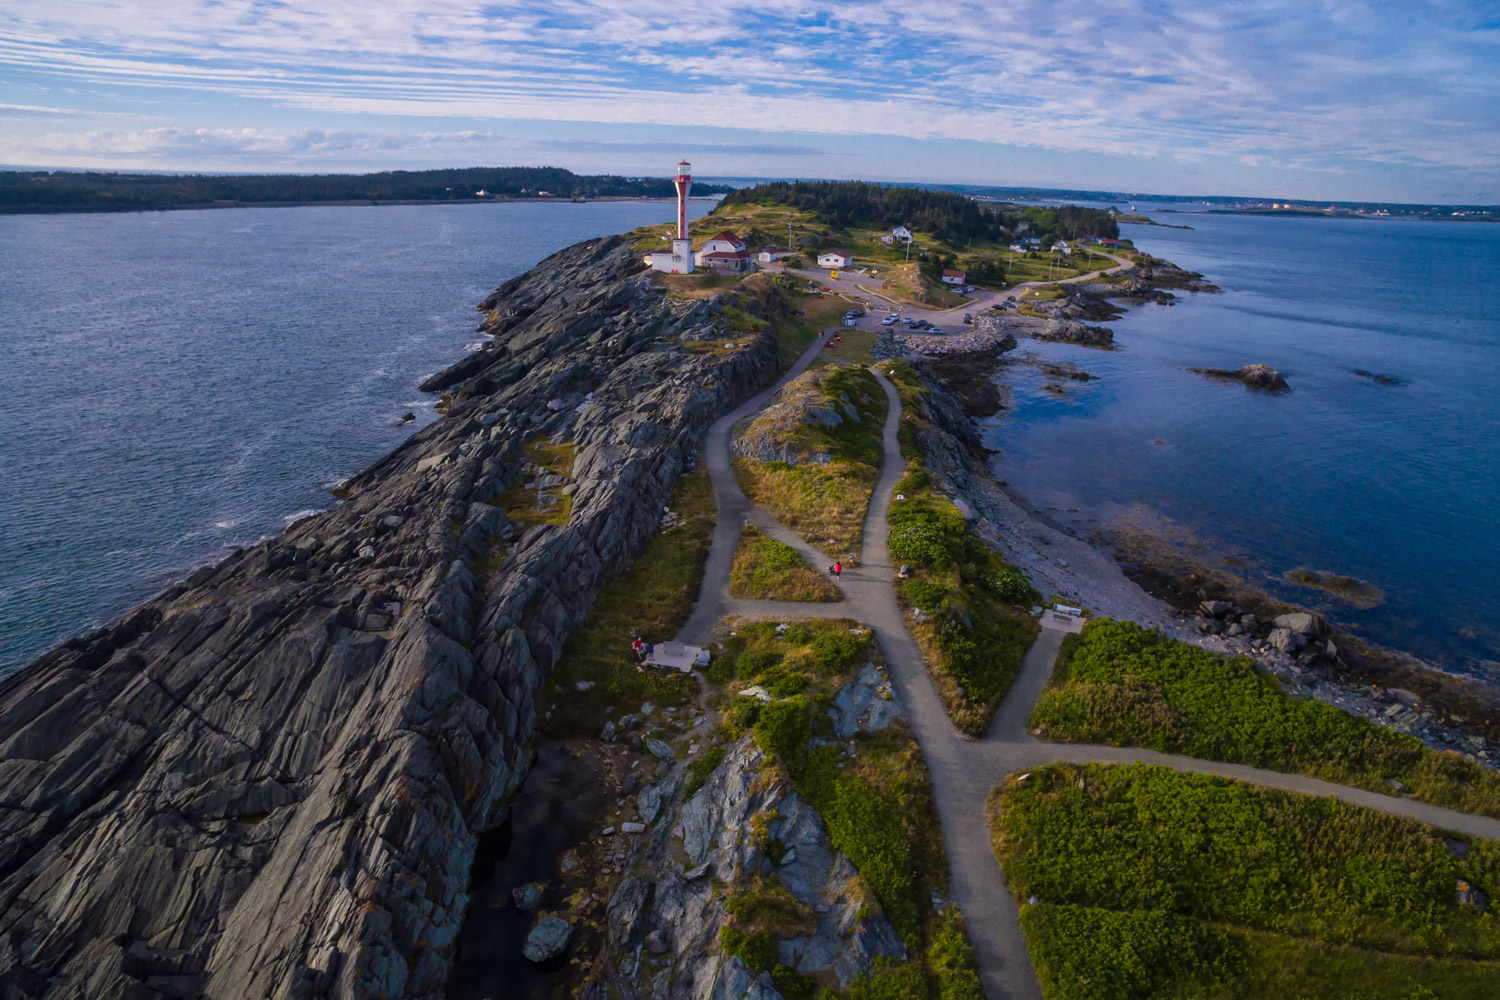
<point>268,780</point>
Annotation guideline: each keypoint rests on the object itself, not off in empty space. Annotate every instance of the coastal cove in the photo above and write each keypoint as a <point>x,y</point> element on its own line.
<point>1377,463</point>
<point>182,383</point>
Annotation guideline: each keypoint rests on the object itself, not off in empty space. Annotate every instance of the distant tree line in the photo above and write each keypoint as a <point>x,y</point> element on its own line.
<point>953,218</point>
<point>70,191</point>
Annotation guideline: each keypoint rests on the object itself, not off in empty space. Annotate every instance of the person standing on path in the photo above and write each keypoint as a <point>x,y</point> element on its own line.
<point>838,569</point>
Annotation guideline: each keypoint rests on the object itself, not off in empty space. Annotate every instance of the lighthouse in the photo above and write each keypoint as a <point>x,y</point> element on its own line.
<point>684,183</point>
<point>680,260</point>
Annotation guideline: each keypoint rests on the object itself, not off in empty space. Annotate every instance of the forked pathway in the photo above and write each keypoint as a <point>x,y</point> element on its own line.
<point>963,770</point>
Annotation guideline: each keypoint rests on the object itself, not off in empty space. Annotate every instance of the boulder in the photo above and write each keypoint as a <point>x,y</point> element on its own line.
<point>659,749</point>
<point>526,896</point>
<point>1216,609</point>
<point>1469,898</point>
<point>1301,622</point>
<point>866,704</point>
<point>1286,640</point>
<point>547,939</point>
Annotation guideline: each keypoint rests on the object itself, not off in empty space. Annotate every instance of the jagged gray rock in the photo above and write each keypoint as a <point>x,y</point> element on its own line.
<point>267,780</point>
<point>547,939</point>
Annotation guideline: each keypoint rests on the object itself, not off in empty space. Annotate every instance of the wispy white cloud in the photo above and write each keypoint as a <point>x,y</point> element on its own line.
<point>1288,83</point>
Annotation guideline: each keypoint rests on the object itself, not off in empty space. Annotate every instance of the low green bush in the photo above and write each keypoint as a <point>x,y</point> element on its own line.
<point>1132,686</point>
<point>920,542</point>
<point>757,951</point>
<point>885,981</point>
<point>1153,885</point>
<point>1011,586</point>
<point>783,730</point>
<point>926,594</point>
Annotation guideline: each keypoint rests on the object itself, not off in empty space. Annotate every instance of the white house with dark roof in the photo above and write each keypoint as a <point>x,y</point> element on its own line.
<point>835,259</point>
<point>725,252</point>
<point>900,235</point>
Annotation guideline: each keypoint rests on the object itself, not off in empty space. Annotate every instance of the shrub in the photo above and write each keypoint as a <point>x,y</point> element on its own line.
<point>836,652</point>
<point>951,960</point>
<point>701,766</point>
<point>887,981</point>
<point>755,662</point>
<point>926,595</point>
<point>783,729</point>
<point>757,951</point>
<point>1011,586</point>
<point>791,983</point>
<point>919,541</point>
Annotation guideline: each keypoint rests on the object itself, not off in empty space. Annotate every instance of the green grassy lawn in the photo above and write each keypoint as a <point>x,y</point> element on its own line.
<point>966,606</point>
<point>765,569</point>
<point>651,599</point>
<point>795,334</point>
<point>1122,684</point>
<point>1153,884</point>
<point>876,803</point>
<point>825,503</point>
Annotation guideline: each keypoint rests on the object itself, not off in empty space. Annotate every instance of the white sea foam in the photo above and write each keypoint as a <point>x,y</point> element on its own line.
<point>301,515</point>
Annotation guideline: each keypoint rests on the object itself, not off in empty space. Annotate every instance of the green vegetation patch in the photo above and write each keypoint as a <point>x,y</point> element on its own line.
<point>528,503</point>
<point>1126,685</point>
<point>1149,883</point>
<point>766,569</point>
<point>823,498</point>
<point>877,804</point>
<point>652,599</point>
<point>967,606</point>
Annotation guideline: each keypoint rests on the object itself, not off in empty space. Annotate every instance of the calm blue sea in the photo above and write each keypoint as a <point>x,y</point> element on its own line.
<point>1396,484</point>
<point>177,383</point>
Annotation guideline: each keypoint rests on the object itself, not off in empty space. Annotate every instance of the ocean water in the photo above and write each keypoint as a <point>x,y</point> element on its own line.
<point>178,383</point>
<point>1393,484</point>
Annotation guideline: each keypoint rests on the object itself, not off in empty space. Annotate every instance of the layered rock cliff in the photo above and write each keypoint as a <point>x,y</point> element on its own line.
<point>266,781</point>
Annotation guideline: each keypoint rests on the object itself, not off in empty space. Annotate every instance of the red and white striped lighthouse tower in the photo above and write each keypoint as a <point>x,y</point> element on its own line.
<point>684,183</point>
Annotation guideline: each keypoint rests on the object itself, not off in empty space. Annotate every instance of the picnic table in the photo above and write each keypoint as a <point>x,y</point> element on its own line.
<point>677,656</point>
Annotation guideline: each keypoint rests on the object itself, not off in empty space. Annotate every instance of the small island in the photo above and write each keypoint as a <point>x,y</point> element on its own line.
<point>1257,376</point>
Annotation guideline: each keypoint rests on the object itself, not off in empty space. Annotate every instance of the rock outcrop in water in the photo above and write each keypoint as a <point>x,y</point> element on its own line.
<point>266,781</point>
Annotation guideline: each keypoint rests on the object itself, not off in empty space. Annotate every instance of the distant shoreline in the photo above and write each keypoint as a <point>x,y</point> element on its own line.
<point>346,203</point>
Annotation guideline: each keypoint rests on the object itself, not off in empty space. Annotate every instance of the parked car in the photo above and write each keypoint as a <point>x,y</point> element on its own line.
<point>888,321</point>
<point>969,318</point>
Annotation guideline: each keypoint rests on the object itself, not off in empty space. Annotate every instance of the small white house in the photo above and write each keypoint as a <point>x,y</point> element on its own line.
<point>900,235</point>
<point>952,277</point>
<point>725,252</point>
<point>835,259</point>
<point>1061,246</point>
<point>770,255</point>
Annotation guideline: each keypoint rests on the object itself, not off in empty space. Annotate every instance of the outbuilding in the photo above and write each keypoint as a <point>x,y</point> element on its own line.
<point>835,259</point>
<point>952,277</point>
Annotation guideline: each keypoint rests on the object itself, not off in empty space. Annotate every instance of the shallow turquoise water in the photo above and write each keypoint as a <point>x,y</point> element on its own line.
<point>179,382</point>
<point>1392,484</point>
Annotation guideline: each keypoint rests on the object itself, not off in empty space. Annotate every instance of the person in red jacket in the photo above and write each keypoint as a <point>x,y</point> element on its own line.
<point>640,648</point>
<point>838,569</point>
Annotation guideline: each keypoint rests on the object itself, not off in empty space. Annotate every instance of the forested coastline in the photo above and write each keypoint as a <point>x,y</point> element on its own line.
<point>90,191</point>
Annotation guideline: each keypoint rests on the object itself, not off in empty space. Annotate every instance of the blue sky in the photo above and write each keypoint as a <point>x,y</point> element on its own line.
<point>1288,98</point>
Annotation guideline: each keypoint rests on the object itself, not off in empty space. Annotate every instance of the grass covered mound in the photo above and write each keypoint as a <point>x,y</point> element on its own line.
<point>966,605</point>
<point>765,569</point>
<point>652,599</point>
<point>812,457</point>
<point>1122,684</point>
<point>876,802</point>
<point>1149,883</point>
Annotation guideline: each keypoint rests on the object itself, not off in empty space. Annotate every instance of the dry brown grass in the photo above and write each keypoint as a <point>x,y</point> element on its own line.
<point>825,504</point>
<point>765,569</point>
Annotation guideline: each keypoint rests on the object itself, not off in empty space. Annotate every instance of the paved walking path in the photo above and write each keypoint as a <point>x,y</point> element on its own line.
<point>963,770</point>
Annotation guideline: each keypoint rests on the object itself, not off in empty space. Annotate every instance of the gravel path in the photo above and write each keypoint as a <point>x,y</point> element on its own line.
<point>963,770</point>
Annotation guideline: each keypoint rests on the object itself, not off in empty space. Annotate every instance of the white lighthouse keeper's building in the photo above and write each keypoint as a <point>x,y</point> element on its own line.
<point>680,260</point>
